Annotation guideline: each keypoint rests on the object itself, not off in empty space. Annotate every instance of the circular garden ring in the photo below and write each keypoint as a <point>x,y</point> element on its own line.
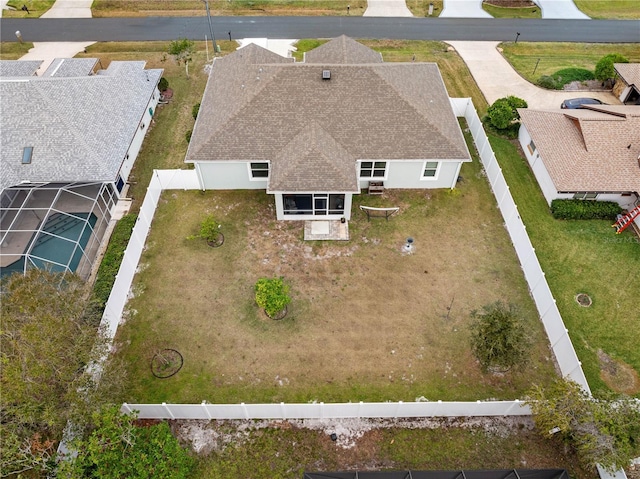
<point>279,315</point>
<point>219,241</point>
<point>584,300</point>
<point>166,363</point>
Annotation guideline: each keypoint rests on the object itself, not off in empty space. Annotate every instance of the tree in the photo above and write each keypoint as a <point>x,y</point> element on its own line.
<point>604,68</point>
<point>498,337</point>
<point>605,432</point>
<point>49,333</point>
<point>272,295</point>
<point>503,112</point>
<point>182,50</point>
<point>116,447</point>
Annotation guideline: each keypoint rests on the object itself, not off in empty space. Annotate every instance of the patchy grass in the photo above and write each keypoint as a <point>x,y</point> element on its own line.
<point>582,257</point>
<point>36,8</point>
<point>523,56</point>
<point>420,8</point>
<point>286,450</point>
<point>616,9</point>
<point>14,50</point>
<point>512,12</point>
<point>128,8</point>
<point>366,323</point>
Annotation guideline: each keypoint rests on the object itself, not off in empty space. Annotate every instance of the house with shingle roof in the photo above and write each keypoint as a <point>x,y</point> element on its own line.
<point>627,86</point>
<point>592,152</point>
<point>315,133</point>
<point>69,139</point>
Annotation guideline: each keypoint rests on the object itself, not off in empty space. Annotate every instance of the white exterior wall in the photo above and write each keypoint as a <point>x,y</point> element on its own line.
<point>539,170</point>
<point>408,174</point>
<point>228,175</point>
<point>138,138</point>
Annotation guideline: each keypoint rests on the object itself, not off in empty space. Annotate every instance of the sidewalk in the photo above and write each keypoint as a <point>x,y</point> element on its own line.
<point>497,79</point>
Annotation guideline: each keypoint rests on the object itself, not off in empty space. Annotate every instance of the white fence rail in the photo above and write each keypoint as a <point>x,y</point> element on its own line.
<point>558,335</point>
<point>328,411</point>
<point>554,326</point>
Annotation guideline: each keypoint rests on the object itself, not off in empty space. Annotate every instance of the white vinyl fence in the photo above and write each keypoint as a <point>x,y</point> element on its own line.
<point>328,411</point>
<point>546,305</point>
<point>558,335</point>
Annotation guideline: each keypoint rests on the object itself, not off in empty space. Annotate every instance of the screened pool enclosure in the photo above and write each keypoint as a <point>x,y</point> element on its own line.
<point>56,226</point>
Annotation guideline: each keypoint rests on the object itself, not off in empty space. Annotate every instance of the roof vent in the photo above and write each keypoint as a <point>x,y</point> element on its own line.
<point>326,74</point>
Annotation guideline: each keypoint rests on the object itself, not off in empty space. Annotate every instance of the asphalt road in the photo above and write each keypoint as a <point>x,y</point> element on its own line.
<point>171,28</point>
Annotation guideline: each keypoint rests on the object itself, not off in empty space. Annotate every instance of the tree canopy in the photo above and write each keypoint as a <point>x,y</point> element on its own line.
<point>503,112</point>
<point>182,50</point>
<point>605,69</point>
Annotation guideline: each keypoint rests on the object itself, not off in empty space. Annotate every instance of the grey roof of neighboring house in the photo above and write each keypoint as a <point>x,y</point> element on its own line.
<point>629,72</point>
<point>342,50</point>
<point>80,128</point>
<point>71,67</point>
<point>17,68</point>
<point>590,149</point>
<point>256,111</point>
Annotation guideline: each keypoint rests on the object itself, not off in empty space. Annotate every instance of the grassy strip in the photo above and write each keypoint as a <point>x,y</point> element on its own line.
<point>420,8</point>
<point>113,257</point>
<point>616,9</point>
<point>524,56</point>
<point>287,452</point>
<point>128,8</point>
<point>36,8</point>
<point>517,12</point>
<point>582,257</point>
<point>14,50</point>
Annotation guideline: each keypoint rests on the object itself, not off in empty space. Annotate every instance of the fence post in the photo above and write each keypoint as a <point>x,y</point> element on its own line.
<point>562,336</point>
<point>206,410</point>
<point>283,410</point>
<point>164,404</point>
<point>126,406</point>
<point>245,410</point>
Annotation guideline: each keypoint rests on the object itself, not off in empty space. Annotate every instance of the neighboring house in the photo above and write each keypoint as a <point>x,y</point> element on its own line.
<point>627,86</point>
<point>69,140</point>
<point>315,133</point>
<point>588,153</point>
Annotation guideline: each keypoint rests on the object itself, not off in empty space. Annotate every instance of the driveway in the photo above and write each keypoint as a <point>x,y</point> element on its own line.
<point>387,8</point>
<point>560,9</point>
<point>464,9</point>
<point>69,9</point>
<point>497,79</point>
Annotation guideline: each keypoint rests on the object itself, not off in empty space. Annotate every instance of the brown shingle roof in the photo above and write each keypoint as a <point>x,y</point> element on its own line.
<point>342,50</point>
<point>629,72</point>
<point>254,111</point>
<point>589,149</point>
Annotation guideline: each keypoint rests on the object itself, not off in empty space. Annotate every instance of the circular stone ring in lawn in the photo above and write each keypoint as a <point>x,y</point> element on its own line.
<point>583,300</point>
<point>219,241</point>
<point>166,363</point>
<point>279,315</point>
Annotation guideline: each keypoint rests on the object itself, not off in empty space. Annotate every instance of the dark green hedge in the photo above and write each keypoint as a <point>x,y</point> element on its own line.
<point>584,210</point>
<point>113,257</point>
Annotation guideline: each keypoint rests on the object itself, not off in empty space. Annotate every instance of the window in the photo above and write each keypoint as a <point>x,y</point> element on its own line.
<point>259,170</point>
<point>430,171</point>
<point>531,147</point>
<point>27,153</point>
<point>373,169</point>
<point>585,196</point>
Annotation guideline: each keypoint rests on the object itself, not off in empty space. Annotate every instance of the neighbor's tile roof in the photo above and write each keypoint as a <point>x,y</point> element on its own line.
<point>381,111</point>
<point>588,149</point>
<point>71,67</point>
<point>80,127</point>
<point>18,68</point>
<point>630,73</point>
<point>342,50</point>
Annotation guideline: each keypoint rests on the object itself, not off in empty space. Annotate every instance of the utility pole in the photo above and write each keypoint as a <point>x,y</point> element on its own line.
<point>213,38</point>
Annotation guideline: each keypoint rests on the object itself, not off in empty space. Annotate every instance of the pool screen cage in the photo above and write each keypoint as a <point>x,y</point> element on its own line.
<point>55,226</point>
<point>459,474</point>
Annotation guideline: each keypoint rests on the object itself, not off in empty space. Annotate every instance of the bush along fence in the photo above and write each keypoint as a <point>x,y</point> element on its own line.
<point>545,303</point>
<point>554,326</point>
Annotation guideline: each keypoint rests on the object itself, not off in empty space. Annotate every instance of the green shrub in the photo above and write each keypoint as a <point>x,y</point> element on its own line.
<point>584,210</point>
<point>163,84</point>
<point>209,230</point>
<point>187,135</point>
<point>113,257</point>
<point>195,110</point>
<point>272,295</point>
<point>498,337</point>
<point>548,82</point>
<point>503,112</point>
<point>604,68</point>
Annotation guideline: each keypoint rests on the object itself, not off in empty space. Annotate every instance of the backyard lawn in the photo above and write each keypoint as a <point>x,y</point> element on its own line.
<point>524,56</point>
<point>366,322</point>
<point>585,257</point>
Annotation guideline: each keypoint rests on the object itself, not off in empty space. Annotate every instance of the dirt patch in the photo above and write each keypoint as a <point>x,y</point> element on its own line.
<point>587,85</point>
<point>618,375</point>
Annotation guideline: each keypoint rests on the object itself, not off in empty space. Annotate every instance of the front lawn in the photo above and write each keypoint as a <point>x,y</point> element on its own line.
<point>547,58</point>
<point>366,322</point>
<point>584,257</point>
<point>512,12</point>
<point>615,9</point>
